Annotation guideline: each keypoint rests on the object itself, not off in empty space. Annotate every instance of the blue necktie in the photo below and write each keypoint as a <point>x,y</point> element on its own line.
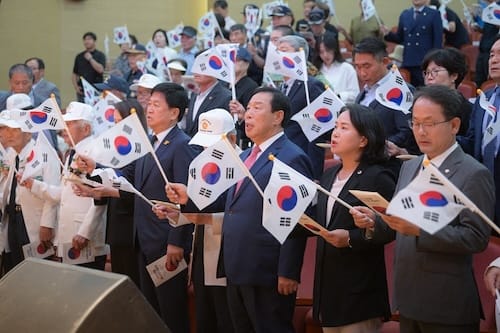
<point>490,150</point>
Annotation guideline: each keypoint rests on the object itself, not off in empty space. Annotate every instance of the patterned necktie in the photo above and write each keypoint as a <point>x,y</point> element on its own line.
<point>249,162</point>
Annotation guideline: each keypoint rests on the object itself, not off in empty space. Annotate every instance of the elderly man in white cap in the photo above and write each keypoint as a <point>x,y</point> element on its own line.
<point>142,88</point>
<point>212,312</point>
<point>82,220</point>
<point>27,218</point>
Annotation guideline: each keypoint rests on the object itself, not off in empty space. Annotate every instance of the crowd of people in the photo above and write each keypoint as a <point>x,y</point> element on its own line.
<point>244,279</point>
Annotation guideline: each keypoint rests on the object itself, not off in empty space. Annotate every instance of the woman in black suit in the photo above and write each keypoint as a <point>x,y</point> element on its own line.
<point>350,287</point>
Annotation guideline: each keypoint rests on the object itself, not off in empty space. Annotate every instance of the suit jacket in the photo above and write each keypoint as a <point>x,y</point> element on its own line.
<point>396,124</point>
<point>43,90</point>
<point>419,35</point>
<point>350,283</point>
<point>154,234</point>
<point>433,276</point>
<point>251,255</point>
<point>219,97</point>
<point>472,144</point>
<point>293,131</point>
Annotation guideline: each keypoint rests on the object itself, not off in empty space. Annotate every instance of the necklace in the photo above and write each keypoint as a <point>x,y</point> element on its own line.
<point>343,177</point>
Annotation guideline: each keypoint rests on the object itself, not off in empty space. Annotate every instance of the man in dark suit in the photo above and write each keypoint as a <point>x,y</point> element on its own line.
<point>434,282</point>
<point>474,143</point>
<point>155,237</point>
<point>370,60</point>
<point>42,89</point>
<point>295,91</point>
<point>262,274</point>
<point>212,95</point>
<point>420,30</point>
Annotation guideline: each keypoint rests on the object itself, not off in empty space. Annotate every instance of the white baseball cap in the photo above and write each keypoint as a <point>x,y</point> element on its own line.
<point>6,119</point>
<point>147,81</point>
<point>78,111</point>
<point>211,125</point>
<point>177,65</point>
<point>18,101</point>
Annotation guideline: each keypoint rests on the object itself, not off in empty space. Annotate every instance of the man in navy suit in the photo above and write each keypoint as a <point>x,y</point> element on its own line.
<point>212,95</point>
<point>420,30</point>
<point>370,60</point>
<point>156,237</point>
<point>262,274</point>
<point>295,91</point>
<point>473,142</point>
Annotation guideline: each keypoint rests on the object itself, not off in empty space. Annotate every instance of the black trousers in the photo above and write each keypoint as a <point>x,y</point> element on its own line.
<point>17,236</point>
<point>408,325</point>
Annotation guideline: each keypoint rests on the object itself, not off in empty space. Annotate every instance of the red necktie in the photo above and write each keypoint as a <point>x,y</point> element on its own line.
<point>249,161</point>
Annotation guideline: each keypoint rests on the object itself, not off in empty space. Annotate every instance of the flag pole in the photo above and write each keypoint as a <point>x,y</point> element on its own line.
<point>53,97</point>
<point>305,82</point>
<point>466,201</point>
<point>242,165</point>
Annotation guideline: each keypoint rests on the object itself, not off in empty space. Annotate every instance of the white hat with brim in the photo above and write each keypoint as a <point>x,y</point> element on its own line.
<point>18,101</point>
<point>148,81</point>
<point>177,66</point>
<point>6,119</point>
<point>397,54</point>
<point>78,111</point>
<point>211,126</point>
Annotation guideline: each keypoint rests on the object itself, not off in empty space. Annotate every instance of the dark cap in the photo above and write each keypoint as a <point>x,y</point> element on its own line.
<point>316,16</point>
<point>189,31</point>
<point>249,5</point>
<point>114,82</point>
<point>243,54</point>
<point>137,49</point>
<point>281,10</point>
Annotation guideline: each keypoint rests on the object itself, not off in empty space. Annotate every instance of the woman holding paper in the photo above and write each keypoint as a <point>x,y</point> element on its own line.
<point>350,288</point>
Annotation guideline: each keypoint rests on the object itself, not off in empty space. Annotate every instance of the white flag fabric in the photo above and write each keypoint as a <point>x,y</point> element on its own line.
<point>150,55</point>
<point>38,157</point>
<point>207,24</point>
<point>444,16</point>
<point>121,144</point>
<point>211,173</point>
<point>174,36</point>
<point>90,94</point>
<point>319,117</point>
<point>368,9</point>
<point>286,197</point>
<point>267,81</point>
<point>106,45</point>
<point>289,64</point>
<point>120,35</point>
<point>104,113</point>
<point>252,20</point>
<point>426,202</point>
<point>211,63</point>
<point>228,53</point>
<point>491,14</point>
<point>394,93</point>
<point>486,104</point>
<point>45,116</point>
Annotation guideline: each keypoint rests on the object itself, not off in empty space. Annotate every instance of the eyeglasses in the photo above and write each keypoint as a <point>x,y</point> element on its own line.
<point>433,72</point>
<point>426,126</point>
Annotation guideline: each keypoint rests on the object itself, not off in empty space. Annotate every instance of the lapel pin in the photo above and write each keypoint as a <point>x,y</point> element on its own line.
<point>359,172</point>
<point>447,171</point>
<point>166,142</point>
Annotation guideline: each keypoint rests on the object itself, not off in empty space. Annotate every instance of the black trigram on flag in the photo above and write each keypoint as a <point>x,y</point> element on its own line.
<point>138,147</point>
<point>297,60</point>
<point>306,115</point>
<point>284,176</point>
<point>28,124</point>
<point>114,161</point>
<point>315,128</point>
<point>299,72</point>
<point>399,80</point>
<point>106,143</point>
<point>285,221</point>
<point>116,184</point>
<point>192,173</point>
<point>127,129</point>
<point>457,200</point>
<point>223,73</point>
<point>303,191</point>
<point>489,130</point>
<point>229,173</point>
<point>47,109</point>
<point>327,100</point>
<point>45,157</point>
<point>431,216</point>
<point>53,122</point>
<point>35,164</point>
<point>205,192</point>
<point>99,120</point>
<point>434,180</point>
<point>203,67</point>
<point>218,154</point>
<point>277,65</point>
<point>407,203</point>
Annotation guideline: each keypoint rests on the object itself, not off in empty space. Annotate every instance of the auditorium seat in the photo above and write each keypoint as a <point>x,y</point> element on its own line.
<point>487,85</point>
<point>471,52</point>
<point>468,89</point>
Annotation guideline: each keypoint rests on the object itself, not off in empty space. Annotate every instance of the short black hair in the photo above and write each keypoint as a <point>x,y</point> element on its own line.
<point>90,34</point>
<point>285,30</point>
<point>279,102</point>
<point>449,99</point>
<point>371,45</point>
<point>220,4</point>
<point>368,124</point>
<point>40,63</point>
<point>238,27</point>
<point>163,32</point>
<point>175,95</point>
<point>124,109</point>
<point>451,59</point>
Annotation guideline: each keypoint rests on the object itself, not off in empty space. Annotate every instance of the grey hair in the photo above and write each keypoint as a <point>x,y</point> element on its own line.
<point>296,42</point>
<point>21,68</point>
